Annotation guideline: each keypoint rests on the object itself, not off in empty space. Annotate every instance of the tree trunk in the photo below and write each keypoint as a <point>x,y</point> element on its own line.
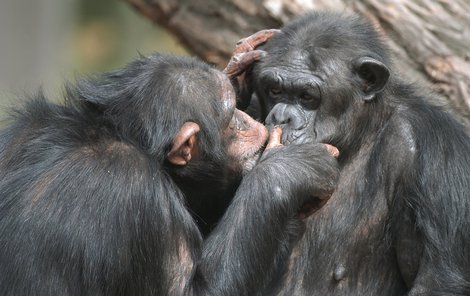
<point>430,38</point>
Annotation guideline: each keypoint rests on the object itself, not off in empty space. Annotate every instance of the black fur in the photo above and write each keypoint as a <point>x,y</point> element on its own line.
<point>399,220</point>
<point>90,206</point>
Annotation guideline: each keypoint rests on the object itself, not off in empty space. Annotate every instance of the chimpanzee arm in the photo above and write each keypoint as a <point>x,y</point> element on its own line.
<point>258,226</point>
<point>91,220</point>
<point>436,198</point>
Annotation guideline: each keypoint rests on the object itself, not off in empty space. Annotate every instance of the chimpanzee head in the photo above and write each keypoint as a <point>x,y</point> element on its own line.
<point>178,110</point>
<point>322,75</point>
<point>182,114</point>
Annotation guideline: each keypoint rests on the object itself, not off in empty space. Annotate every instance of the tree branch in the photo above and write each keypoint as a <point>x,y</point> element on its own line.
<point>429,38</point>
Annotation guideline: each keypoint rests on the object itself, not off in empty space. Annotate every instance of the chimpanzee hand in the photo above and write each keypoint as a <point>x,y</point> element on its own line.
<point>243,56</point>
<point>300,172</point>
<point>261,225</point>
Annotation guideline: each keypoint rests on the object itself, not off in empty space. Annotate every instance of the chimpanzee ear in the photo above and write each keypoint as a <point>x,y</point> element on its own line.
<point>184,145</point>
<point>373,75</point>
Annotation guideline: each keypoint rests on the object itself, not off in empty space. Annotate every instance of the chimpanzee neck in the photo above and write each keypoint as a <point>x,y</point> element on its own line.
<point>367,130</point>
<point>208,207</point>
<point>206,198</point>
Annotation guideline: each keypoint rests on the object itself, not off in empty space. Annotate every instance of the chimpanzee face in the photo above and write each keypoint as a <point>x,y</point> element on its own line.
<point>316,79</point>
<point>299,94</point>
<point>241,137</point>
<point>292,97</point>
<point>246,137</point>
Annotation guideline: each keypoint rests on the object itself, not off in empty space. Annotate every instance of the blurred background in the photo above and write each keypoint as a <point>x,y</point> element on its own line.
<point>43,43</point>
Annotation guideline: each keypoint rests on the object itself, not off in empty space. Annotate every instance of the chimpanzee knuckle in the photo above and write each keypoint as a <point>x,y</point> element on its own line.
<point>262,36</point>
<point>232,71</point>
<point>229,69</point>
<point>239,42</point>
<point>243,47</point>
<point>268,33</point>
<point>251,42</point>
<point>251,57</point>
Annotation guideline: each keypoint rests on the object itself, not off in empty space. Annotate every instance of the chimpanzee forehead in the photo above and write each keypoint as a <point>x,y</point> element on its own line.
<point>287,64</point>
<point>331,34</point>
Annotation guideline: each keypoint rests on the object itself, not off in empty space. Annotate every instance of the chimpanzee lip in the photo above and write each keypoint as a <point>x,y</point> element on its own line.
<point>257,154</point>
<point>251,160</point>
<point>296,137</point>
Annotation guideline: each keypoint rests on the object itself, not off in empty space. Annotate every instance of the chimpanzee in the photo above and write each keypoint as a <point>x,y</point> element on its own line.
<point>399,220</point>
<point>98,193</point>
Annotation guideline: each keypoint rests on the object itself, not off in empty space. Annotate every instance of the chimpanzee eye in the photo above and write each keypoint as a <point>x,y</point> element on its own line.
<point>310,100</point>
<point>307,97</point>
<point>275,90</point>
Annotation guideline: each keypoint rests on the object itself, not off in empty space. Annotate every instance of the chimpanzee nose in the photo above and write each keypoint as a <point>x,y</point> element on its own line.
<point>288,115</point>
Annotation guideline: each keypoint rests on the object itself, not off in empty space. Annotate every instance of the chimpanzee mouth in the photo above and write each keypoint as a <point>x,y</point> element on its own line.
<point>257,155</point>
<point>296,137</point>
<point>312,206</point>
<point>251,160</point>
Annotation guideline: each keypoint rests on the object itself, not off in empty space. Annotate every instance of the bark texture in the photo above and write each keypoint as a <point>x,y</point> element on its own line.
<point>430,38</point>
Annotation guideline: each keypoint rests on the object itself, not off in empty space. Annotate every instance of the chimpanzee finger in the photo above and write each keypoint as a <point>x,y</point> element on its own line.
<point>251,42</point>
<point>274,138</point>
<point>240,62</point>
<point>332,150</point>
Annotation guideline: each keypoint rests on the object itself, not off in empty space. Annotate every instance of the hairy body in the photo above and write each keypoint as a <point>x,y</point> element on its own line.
<point>115,191</point>
<point>399,219</point>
